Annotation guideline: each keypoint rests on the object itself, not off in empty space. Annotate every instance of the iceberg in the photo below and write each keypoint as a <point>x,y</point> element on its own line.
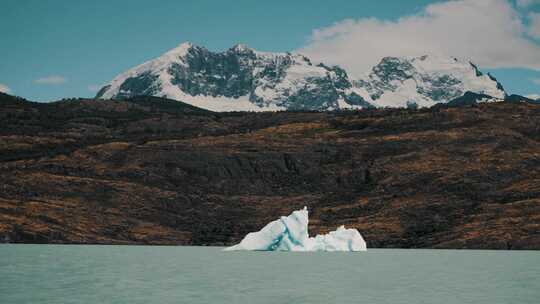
<point>290,233</point>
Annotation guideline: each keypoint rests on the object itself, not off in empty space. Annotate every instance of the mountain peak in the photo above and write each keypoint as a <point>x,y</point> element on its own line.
<point>181,50</point>
<point>241,48</point>
<point>185,44</point>
<point>426,80</point>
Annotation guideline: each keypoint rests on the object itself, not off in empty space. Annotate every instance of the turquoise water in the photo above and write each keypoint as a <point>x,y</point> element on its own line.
<point>146,274</point>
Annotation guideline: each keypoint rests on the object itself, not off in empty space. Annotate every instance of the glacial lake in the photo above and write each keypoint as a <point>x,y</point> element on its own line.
<point>161,274</point>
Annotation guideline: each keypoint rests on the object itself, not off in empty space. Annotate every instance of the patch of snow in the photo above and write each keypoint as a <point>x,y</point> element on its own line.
<point>343,105</point>
<point>290,233</point>
<point>490,100</point>
<point>405,93</point>
<point>225,104</point>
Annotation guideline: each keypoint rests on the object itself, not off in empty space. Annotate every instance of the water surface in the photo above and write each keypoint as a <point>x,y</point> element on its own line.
<point>155,274</point>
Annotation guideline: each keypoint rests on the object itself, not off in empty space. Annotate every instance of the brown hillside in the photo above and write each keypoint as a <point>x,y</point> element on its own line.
<point>151,171</point>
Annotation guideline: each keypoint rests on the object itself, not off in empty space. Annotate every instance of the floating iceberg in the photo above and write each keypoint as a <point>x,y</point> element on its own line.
<point>290,233</point>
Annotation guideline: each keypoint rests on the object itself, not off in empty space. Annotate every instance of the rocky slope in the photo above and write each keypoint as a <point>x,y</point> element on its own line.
<point>152,171</point>
<point>243,79</point>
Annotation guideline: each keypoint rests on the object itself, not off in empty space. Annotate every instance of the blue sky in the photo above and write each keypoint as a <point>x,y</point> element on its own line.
<point>65,48</point>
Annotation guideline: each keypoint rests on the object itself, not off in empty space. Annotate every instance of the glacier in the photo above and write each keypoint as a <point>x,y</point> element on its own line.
<point>290,233</point>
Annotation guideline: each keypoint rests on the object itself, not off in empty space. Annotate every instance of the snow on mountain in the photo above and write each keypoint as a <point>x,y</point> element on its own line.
<point>424,81</point>
<point>243,79</point>
<point>238,79</point>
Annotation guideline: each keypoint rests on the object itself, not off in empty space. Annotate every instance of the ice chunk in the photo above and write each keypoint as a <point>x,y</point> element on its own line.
<point>290,233</point>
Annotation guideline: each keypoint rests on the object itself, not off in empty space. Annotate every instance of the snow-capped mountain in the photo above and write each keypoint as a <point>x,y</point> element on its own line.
<point>424,81</point>
<point>238,79</point>
<point>243,79</point>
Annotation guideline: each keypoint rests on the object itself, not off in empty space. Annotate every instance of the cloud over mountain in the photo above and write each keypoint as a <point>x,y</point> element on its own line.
<point>491,33</point>
<point>4,88</point>
<point>51,80</point>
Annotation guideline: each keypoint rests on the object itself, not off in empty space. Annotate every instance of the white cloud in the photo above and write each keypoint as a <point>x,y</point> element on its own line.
<point>4,89</point>
<point>526,3</point>
<point>534,25</point>
<point>536,80</point>
<point>51,80</point>
<point>94,87</point>
<point>491,33</point>
<point>533,96</point>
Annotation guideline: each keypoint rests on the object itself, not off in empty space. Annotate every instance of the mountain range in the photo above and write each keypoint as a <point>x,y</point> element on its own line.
<point>243,79</point>
<point>134,167</point>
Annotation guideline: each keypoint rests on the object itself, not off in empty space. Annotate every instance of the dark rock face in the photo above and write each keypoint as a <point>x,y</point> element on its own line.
<point>152,171</point>
<point>216,74</point>
<point>438,87</point>
<point>518,98</point>
<point>393,68</point>
<point>469,98</point>
<point>143,84</point>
